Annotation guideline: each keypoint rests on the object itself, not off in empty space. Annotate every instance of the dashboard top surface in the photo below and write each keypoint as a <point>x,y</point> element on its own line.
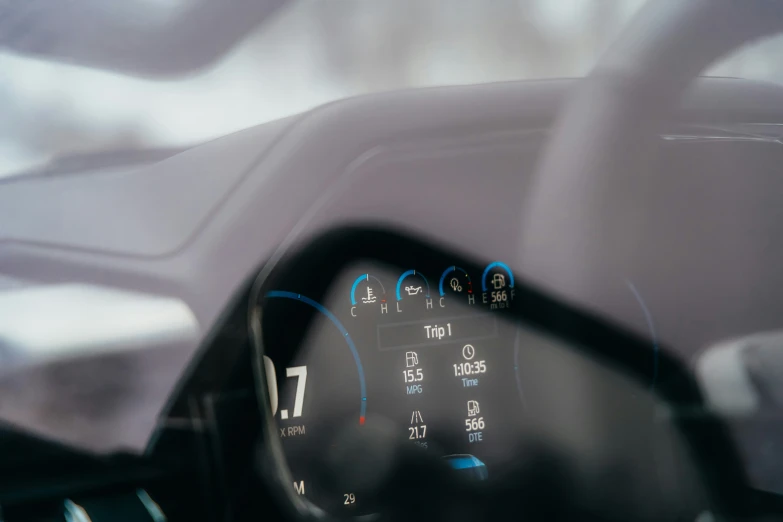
<point>147,212</point>
<point>201,224</point>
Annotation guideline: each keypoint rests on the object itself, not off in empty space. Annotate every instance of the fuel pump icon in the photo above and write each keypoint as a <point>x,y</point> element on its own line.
<point>498,281</point>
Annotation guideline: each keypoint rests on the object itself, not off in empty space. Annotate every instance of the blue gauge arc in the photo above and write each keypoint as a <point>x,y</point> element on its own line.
<point>463,461</point>
<point>408,274</point>
<point>364,277</point>
<point>496,264</point>
<point>351,346</point>
<point>446,273</point>
<point>651,326</point>
<point>468,463</point>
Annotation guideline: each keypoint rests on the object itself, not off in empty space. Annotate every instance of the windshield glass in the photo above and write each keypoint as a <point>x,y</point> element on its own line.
<point>306,54</point>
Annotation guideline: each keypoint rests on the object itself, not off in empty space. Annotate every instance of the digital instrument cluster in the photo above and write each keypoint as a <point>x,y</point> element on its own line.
<point>423,358</point>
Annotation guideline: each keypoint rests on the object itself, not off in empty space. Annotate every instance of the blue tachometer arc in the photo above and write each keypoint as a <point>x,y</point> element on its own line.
<point>329,315</point>
<point>410,273</point>
<point>496,264</point>
<point>447,272</point>
<point>364,277</point>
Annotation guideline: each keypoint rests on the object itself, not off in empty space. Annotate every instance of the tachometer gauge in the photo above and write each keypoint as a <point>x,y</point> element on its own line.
<point>300,372</point>
<point>314,396</point>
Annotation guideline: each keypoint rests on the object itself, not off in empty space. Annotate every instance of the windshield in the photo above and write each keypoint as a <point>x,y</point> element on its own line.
<point>306,54</point>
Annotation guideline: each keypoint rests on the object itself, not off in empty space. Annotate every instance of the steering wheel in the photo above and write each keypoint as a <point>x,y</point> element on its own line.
<point>581,210</point>
<point>584,207</point>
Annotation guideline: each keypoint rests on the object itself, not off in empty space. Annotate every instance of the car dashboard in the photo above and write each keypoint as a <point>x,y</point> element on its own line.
<point>303,316</point>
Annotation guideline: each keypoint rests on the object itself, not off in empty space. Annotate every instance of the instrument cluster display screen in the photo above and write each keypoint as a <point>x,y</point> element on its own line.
<point>420,358</point>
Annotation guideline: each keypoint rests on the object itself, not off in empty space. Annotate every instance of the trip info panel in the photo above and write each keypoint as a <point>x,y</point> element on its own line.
<point>424,355</point>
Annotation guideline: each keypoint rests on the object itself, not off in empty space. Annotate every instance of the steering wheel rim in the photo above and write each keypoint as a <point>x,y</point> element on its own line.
<point>603,136</point>
<point>580,209</point>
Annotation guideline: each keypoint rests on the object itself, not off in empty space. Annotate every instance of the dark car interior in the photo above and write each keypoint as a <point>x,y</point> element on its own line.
<point>536,300</point>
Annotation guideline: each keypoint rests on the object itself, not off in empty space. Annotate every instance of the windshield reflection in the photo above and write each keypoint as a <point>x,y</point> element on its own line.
<point>308,54</point>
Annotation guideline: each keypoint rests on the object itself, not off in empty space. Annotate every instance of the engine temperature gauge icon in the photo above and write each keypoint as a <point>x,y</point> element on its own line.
<point>370,297</point>
<point>368,294</point>
<point>367,289</point>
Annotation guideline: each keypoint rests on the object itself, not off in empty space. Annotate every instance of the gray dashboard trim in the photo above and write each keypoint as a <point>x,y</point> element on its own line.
<point>198,226</point>
<point>149,211</point>
<point>62,342</point>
